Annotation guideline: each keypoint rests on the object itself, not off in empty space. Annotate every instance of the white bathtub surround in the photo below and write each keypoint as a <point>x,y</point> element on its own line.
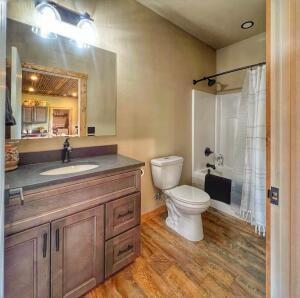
<point>230,125</point>
<point>252,136</point>
<point>215,126</point>
<point>203,126</point>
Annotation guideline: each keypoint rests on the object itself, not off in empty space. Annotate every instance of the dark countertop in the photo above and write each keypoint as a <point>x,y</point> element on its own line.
<point>28,176</point>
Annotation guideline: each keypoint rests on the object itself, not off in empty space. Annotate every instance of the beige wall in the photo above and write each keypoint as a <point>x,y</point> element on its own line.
<point>156,63</point>
<point>246,52</point>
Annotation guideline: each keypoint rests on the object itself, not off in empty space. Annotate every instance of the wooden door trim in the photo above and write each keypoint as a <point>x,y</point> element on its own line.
<point>294,22</point>
<point>268,143</point>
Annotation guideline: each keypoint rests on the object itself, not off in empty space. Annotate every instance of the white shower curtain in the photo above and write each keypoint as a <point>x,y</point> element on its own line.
<point>249,179</point>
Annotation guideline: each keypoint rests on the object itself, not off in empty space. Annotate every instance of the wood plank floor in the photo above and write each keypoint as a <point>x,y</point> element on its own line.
<point>229,262</point>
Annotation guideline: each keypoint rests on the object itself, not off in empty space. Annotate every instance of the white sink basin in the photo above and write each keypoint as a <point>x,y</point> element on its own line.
<point>68,170</point>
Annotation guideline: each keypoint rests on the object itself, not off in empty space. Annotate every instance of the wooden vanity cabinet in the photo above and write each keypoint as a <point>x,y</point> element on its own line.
<point>77,253</point>
<point>121,251</point>
<point>27,263</point>
<point>68,254</point>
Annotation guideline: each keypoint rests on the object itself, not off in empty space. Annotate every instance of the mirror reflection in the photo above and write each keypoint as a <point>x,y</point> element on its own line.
<point>49,105</point>
<point>57,87</point>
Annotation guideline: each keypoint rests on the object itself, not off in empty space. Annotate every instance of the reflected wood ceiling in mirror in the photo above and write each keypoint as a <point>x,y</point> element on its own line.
<point>47,84</point>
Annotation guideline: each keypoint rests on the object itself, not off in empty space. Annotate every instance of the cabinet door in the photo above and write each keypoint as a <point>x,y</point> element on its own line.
<point>27,263</point>
<point>40,114</point>
<point>27,114</point>
<point>77,253</point>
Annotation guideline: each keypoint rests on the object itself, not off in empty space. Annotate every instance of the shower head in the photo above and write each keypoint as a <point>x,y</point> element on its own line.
<point>211,82</point>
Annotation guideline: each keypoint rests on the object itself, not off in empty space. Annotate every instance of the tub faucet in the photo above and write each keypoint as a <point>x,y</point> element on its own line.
<point>208,165</point>
<point>66,151</point>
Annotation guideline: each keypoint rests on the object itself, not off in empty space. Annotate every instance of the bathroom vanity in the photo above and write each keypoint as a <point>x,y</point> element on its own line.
<point>73,230</point>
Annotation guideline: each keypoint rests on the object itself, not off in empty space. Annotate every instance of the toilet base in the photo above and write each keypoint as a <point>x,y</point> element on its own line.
<point>188,226</point>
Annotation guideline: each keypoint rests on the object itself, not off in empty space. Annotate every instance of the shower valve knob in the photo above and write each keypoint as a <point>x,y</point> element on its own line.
<point>208,151</point>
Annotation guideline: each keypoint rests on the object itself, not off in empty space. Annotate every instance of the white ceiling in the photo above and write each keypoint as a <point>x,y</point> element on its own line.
<point>215,22</point>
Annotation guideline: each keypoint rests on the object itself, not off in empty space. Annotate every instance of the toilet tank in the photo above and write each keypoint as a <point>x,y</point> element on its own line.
<point>166,171</point>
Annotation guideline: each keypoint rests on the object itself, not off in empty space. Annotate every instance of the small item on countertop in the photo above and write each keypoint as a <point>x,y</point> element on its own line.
<point>11,155</point>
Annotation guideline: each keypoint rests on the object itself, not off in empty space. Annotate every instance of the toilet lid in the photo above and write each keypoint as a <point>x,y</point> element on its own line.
<point>190,194</point>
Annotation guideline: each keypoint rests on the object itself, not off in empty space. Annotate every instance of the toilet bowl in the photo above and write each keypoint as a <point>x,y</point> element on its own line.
<point>185,203</point>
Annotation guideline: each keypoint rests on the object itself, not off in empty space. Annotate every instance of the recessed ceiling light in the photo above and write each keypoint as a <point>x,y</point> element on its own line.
<point>34,78</point>
<point>30,89</point>
<point>247,25</point>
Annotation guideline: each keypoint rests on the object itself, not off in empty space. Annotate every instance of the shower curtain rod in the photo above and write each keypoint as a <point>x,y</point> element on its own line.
<point>226,72</point>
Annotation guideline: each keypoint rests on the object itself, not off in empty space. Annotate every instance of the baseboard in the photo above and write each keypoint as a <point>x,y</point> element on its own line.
<point>148,215</point>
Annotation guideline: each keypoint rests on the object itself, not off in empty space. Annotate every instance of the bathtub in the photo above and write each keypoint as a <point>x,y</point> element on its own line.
<point>198,180</point>
<point>198,177</point>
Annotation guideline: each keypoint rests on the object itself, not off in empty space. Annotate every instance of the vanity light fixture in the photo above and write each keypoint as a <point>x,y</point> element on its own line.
<point>54,19</point>
<point>47,19</point>
<point>87,31</point>
<point>247,25</point>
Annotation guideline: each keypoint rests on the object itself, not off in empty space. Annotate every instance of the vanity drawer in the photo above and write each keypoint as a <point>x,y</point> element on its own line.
<point>121,251</point>
<point>122,214</point>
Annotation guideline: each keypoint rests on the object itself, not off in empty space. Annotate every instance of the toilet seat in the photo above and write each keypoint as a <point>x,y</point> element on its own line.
<point>189,194</point>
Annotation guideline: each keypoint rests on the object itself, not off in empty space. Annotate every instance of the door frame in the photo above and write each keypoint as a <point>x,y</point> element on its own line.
<point>3,4</point>
<point>283,100</point>
<point>294,25</point>
<point>268,145</point>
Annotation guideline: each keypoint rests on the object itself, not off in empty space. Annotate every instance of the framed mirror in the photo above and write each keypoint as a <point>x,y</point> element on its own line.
<point>58,88</point>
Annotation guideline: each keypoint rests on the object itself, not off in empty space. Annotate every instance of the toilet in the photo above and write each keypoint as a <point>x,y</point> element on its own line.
<point>184,203</point>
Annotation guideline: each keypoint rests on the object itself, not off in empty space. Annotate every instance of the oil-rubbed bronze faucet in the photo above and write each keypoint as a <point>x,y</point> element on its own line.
<point>66,151</point>
<point>208,165</point>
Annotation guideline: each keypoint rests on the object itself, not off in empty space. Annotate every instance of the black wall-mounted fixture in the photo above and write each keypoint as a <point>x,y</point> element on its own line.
<point>211,82</point>
<point>208,165</point>
<point>67,15</point>
<point>211,79</point>
<point>208,151</point>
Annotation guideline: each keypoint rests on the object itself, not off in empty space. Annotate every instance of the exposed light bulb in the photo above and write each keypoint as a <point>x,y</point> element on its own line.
<point>87,33</point>
<point>50,24</point>
<point>31,89</point>
<point>48,17</point>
